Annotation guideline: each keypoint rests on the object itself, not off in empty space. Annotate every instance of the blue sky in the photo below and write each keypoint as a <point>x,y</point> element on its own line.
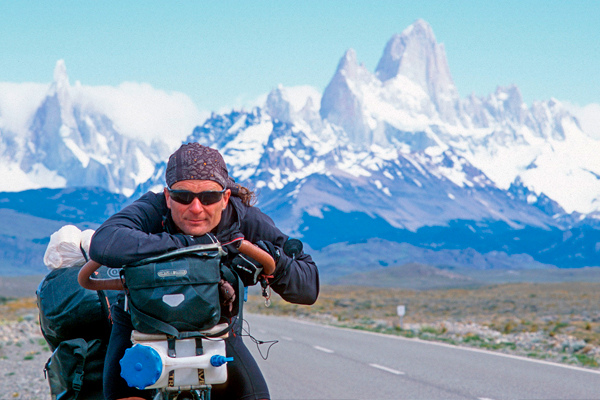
<point>226,53</point>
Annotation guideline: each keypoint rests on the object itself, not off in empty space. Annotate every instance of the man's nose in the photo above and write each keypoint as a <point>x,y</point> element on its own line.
<point>196,206</point>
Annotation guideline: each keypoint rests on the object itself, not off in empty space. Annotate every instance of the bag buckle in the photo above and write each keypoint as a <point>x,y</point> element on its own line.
<point>78,379</point>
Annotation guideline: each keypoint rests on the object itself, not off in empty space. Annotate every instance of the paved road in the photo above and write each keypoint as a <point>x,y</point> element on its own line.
<point>320,362</point>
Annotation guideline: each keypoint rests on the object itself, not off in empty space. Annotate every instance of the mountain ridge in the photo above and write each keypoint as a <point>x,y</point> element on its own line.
<point>393,153</point>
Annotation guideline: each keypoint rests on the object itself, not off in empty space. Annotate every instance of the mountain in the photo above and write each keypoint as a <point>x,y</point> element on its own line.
<point>28,218</point>
<point>396,154</point>
<point>393,155</point>
<point>410,103</point>
<point>67,144</point>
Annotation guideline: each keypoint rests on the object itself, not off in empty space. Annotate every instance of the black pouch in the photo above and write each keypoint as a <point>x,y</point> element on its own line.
<point>175,292</point>
<point>74,370</point>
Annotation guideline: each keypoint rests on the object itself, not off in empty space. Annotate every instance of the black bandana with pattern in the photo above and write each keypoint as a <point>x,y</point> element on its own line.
<point>194,161</point>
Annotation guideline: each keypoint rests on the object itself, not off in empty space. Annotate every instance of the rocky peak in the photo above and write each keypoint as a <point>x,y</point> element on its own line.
<point>348,66</point>
<point>278,107</point>
<point>416,42</point>
<point>61,89</point>
<point>340,104</point>
<point>61,79</point>
<point>416,55</point>
<point>507,104</point>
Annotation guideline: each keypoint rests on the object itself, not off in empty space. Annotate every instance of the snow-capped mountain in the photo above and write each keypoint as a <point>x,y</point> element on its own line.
<point>399,144</point>
<point>410,102</point>
<point>67,144</point>
<point>394,154</point>
<point>301,174</point>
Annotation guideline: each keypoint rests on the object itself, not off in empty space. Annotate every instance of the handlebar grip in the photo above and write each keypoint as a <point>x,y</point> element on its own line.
<point>264,258</point>
<point>86,281</point>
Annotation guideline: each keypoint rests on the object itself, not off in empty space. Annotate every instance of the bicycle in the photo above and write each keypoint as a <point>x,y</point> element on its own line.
<point>178,368</point>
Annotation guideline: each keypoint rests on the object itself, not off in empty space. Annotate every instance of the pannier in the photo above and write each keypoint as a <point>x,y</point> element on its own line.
<point>178,291</point>
<point>76,324</point>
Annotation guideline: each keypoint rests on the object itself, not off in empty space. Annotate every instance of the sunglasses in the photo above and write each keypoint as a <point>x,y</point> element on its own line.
<point>186,197</point>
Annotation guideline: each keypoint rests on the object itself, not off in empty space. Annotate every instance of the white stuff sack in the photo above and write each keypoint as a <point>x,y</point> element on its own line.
<point>65,247</point>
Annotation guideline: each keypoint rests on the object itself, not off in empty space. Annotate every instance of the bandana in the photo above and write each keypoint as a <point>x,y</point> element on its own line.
<point>194,161</point>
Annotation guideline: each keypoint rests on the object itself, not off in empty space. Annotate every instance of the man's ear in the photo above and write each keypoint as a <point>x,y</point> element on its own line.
<point>226,196</point>
<point>167,198</point>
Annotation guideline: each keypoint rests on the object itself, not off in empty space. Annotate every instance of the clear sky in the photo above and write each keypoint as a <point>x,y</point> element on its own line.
<point>226,53</point>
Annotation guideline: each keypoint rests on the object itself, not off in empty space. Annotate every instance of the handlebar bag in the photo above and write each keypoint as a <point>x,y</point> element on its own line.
<point>175,292</point>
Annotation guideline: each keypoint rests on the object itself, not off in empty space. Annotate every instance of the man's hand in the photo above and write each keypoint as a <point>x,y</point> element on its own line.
<point>247,268</point>
<point>230,240</point>
<point>271,249</point>
<point>227,294</point>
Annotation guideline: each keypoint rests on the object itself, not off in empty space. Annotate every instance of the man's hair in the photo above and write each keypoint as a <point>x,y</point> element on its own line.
<point>247,196</point>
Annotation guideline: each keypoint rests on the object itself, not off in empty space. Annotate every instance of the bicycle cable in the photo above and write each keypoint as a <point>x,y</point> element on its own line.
<point>270,343</point>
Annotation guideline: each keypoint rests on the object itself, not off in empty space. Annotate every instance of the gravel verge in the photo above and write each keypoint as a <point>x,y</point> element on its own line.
<point>23,354</point>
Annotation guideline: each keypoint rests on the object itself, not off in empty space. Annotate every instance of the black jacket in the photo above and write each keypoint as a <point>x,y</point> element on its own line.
<point>139,231</point>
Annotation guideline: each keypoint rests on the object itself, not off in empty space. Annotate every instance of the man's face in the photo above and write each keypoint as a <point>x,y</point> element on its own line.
<point>195,218</point>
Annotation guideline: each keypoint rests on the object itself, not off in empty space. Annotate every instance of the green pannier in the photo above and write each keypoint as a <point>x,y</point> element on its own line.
<point>76,324</point>
<point>175,292</point>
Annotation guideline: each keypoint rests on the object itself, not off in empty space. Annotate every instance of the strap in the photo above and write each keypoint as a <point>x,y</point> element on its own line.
<point>183,251</point>
<point>240,299</point>
<point>170,329</point>
<point>230,275</point>
<point>79,370</point>
<point>156,323</point>
<point>171,344</point>
<point>199,348</point>
<point>85,256</point>
<point>78,378</point>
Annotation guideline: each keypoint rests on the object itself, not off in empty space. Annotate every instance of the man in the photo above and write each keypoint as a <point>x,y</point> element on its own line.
<point>199,203</point>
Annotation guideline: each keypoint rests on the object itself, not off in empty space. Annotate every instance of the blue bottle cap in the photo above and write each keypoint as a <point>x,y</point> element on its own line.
<point>141,366</point>
<point>217,360</point>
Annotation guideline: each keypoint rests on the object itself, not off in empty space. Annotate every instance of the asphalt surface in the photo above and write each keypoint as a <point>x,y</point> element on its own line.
<point>313,361</point>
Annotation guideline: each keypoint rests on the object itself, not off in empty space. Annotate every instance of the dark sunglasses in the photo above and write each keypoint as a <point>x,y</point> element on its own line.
<point>186,197</point>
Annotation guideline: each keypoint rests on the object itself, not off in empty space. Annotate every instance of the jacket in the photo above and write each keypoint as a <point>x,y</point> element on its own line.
<point>140,231</point>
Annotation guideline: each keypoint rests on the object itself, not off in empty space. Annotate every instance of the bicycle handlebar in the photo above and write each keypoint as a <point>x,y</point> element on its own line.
<point>86,281</point>
<point>251,250</point>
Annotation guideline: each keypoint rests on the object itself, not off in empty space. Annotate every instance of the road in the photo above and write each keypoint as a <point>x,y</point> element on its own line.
<point>320,362</point>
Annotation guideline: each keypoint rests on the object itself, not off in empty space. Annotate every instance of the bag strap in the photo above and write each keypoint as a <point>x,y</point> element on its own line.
<point>198,248</point>
<point>77,382</point>
<point>170,330</point>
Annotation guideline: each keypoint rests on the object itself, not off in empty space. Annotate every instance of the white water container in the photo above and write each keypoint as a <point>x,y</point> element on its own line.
<point>147,365</point>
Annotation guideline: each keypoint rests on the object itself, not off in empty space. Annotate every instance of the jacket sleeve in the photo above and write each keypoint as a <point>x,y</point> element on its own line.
<point>135,233</point>
<point>295,280</point>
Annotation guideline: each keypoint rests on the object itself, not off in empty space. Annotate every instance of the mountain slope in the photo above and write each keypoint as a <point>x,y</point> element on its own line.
<point>27,219</point>
<point>393,154</point>
<point>67,144</point>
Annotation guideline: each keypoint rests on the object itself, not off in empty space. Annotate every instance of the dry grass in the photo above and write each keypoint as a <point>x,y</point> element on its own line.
<point>15,309</point>
<point>571,308</point>
<point>555,311</point>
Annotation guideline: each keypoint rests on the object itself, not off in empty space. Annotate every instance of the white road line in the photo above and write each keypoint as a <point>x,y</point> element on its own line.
<point>289,339</point>
<point>323,349</point>
<point>381,367</point>
<point>473,349</point>
<point>484,398</point>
